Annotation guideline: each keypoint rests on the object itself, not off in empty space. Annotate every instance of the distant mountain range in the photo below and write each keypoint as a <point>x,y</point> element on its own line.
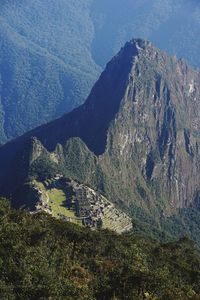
<point>135,140</point>
<point>52,52</point>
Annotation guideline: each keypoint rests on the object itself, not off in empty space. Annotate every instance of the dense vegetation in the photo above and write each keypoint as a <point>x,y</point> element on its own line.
<point>46,67</point>
<point>43,258</point>
<point>53,51</point>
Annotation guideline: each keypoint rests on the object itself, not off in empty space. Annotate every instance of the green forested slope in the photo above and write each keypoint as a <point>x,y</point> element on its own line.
<point>42,258</point>
<point>46,66</point>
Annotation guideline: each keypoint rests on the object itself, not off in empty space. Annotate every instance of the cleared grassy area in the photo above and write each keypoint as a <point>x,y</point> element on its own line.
<point>56,200</point>
<point>40,185</point>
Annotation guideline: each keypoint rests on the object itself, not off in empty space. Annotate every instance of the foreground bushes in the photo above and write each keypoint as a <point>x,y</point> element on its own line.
<point>42,258</point>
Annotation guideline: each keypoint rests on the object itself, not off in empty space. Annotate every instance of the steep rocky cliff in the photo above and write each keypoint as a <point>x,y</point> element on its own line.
<point>136,138</point>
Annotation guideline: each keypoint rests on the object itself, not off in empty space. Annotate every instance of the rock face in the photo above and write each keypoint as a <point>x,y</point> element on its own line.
<point>136,138</point>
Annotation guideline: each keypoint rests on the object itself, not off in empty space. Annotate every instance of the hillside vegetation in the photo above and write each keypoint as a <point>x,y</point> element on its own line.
<point>46,68</point>
<point>43,258</point>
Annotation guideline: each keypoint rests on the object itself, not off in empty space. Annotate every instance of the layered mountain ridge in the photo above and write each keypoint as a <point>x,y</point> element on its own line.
<point>136,139</point>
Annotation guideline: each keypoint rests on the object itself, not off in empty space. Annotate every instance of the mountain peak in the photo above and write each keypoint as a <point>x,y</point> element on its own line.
<point>140,124</point>
<point>138,43</point>
<point>134,47</point>
<point>131,50</point>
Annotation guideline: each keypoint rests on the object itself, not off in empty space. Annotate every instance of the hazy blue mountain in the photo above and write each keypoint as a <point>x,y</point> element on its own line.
<point>46,66</point>
<point>51,52</point>
<point>171,25</point>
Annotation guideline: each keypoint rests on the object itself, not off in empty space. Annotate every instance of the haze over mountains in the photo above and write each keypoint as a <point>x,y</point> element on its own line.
<point>136,139</point>
<point>52,52</point>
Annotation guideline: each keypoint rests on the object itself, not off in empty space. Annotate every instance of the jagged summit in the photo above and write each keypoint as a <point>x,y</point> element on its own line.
<point>101,106</point>
<point>138,43</point>
<point>136,138</point>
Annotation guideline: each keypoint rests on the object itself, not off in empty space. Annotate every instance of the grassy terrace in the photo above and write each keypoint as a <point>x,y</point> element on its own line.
<point>56,200</point>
